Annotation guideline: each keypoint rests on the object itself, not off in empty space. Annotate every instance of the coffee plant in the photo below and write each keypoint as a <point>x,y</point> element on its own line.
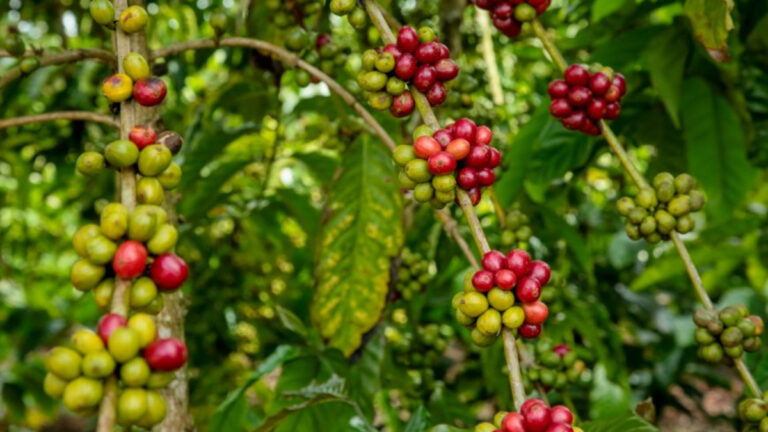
<point>393,215</point>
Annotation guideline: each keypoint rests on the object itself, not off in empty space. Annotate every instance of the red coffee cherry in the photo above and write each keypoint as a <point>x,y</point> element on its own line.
<point>558,89</point>
<point>575,120</point>
<point>505,279</point>
<point>130,259</point>
<point>493,261</point>
<point>537,419</point>
<point>436,94</point>
<point>168,271</point>
<point>425,77</point>
<point>108,323</point>
<point>446,69</point>
<point>530,403</point>
<point>426,146</point>
<point>485,176</point>
<point>528,290</point>
<point>402,105</point>
<point>518,261</point>
<point>392,49</point>
<point>407,39</point>
<point>560,108</point>
<point>466,129</point>
<point>560,414</point>
<point>467,178</point>
<point>483,135</point>
<point>535,312</point>
<point>405,67</point>
<point>483,280</point>
<point>513,422</point>
<point>149,91</point>
<point>495,158</point>
<point>474,195</point>
<point>579,96</point>
<point>443,137</point>
<point>529,331</point>
<point>428,52</point>
<point>441,163</point>
<point>479,156</point>
<point>142,136</point>
<point>166,355</point>
<point>540,271</point>
<point>612,110</point>
<point>596,109</point>
<point>576,75</point>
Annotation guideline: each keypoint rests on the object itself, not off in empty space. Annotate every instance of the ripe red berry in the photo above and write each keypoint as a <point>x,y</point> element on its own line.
<point>529,331</point>
<point>402,105</point>
<point>459,148</point>
<point>612,110</point>
<point>579,96</point>
<point>495,158</point>
<point>405,67</point>
<point>436,94</point>
<point>466,129</point>
<point>613,94</point>
<point>561,349</point>
<point>503,10</point>
<point>483,135</point>
<point>483,280</point>
<point>537,418</point>
<point>447,69</point>
<point>485,4</point>
<point>407,40</point>
<point>493,261</point>
<point>168,271</point>
<point>467,178</point>
<point>596,109</point>
<point>485,177</point>
<point>149,91</point>
<point>443,137</point>
<point>530,403</point>
<point>444,51</point>
<point>130,259</point>
<point>474,195</point>
<point>518,261</point>
<point>426,146</point>
<point>528,290</point>
<point>425,77</point>
<point>575,120</point>
<point>479,156</point>
<point>539,270</point>
<point>560,108</point>
<point>557,89</point>
<point>441,163</point>
<point>536,312</point>
<point>599,83</point>
<point>590,127</point>
<point>451,128</point>
<point>540,5</point>
<point>322,40</point>
<point>108,323</point>
<point>513,422</point>
<point>576,75</point>
<point>166,355</point>
<point>620,82</point>
<point>508,26</point>
<point>428,52</point>
<point>505,279</point>
<point>392,49</point>
<point>560,414</point>
<point>142,136</point>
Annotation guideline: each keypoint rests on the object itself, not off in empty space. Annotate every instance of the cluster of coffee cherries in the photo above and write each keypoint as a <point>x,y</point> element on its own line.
<point>517,230</point>
<point>319,50</point>
<point>355,13</point>
<point>413,275</point>
<point>558,366</point>
<point>459,154</point>
<point>666,207</point>
<point>534,416</point>
<point>419,351</point>
<point>510,15</point>
<point>753,413</point>
<point>417,60</point>
<point>584,97</point>
<point>728,334</point>
<point>14,44</point>
<point>488,301</point>
<point>136,82</point>
<point>129,350</point>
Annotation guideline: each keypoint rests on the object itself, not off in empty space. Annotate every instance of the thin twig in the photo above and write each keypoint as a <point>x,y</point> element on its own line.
<point>489,54</point>
<point>62,58</point>
<point>693,273</point>
<point>286,57</point>
<point>452,228</point>
<point>59,115</point>
<point>513,366</point>
<point>474,223</point>
<point>549,47</point>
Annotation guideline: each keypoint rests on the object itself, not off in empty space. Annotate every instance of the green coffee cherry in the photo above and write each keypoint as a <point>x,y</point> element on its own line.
<point>90,163</point>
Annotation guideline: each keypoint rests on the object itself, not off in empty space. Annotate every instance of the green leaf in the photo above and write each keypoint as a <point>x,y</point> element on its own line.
<point>290,321</point>
<point>715,145</point>
<point>607,399</point>
<point>363,231</point>
<point>230,414</point>
<point>603,8</point>
<point>629,422</point>
<point>711,20</point>
<point>666,57</point>
<point>418,421</point>
<point>576,243</point>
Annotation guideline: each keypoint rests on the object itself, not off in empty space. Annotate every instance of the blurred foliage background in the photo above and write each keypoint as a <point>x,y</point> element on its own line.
<point>270,168</point>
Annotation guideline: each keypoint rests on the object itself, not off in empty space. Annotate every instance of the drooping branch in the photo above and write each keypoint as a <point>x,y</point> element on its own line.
<point>452,228</point>
<point>618,150</point>
<point>59,115</point>
<point>289,59</point>
<point>62,58</point>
